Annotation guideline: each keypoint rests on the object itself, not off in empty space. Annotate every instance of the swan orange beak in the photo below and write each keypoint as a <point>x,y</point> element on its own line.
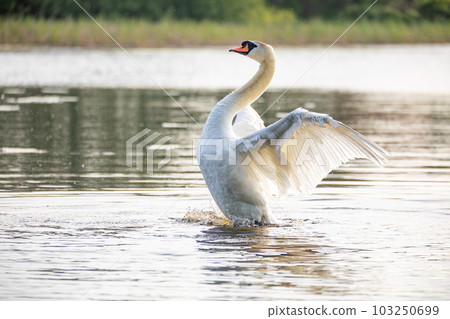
<point>241,50</point>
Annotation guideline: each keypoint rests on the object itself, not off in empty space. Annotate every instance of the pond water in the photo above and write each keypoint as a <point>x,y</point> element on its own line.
<point>77,223</point>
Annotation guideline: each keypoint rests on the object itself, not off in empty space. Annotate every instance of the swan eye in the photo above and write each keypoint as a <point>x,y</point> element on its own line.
<point>245,48</point>
<point>249,45</point>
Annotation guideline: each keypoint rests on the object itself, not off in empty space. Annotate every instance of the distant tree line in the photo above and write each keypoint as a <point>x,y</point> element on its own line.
<point>229,10</point>
<point>383,9</point>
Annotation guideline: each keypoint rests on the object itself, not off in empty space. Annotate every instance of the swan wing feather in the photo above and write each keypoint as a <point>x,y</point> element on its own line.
<point>298,151</point>
<point>247,121</point>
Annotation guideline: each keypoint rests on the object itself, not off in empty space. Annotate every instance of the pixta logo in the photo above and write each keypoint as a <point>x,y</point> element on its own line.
<point>142,147</point>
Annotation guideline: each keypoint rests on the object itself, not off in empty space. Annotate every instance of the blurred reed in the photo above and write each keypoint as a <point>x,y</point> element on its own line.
<point>169,33</point>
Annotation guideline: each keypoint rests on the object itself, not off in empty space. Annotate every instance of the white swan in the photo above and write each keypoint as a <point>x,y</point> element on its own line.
<point>244,163</point>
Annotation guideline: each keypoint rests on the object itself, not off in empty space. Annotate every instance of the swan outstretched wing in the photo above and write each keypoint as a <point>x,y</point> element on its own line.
<point>298,151</point>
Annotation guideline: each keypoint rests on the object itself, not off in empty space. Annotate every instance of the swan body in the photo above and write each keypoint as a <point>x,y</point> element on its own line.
<point>244,163</point>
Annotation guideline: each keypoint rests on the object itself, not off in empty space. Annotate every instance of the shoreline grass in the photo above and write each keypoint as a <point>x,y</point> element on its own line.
<point>166,33</point>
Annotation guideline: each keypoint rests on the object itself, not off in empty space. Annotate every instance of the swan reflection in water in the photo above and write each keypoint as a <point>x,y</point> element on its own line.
<point>270,258</point>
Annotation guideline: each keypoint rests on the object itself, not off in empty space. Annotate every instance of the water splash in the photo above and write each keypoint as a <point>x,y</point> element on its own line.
<point>206,217</point>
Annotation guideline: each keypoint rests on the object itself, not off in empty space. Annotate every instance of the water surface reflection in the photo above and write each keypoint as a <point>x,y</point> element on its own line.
<point>75,139</point>
<point>70,206</point>
<point>268,259</point>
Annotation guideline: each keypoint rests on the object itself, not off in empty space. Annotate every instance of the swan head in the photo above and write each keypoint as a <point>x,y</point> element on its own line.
<point>255,50</point>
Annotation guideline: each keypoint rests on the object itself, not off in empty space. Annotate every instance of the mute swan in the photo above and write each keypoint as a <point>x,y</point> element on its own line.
<point>243,163</point>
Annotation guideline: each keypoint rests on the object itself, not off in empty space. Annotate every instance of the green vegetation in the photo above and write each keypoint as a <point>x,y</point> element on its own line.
<point>140,33</point>
<point>157,23</point>
<point>229,10</point>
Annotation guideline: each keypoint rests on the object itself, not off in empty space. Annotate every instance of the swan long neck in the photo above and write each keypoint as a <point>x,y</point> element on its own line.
<point>255,87</point>
<point>220,119</point>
